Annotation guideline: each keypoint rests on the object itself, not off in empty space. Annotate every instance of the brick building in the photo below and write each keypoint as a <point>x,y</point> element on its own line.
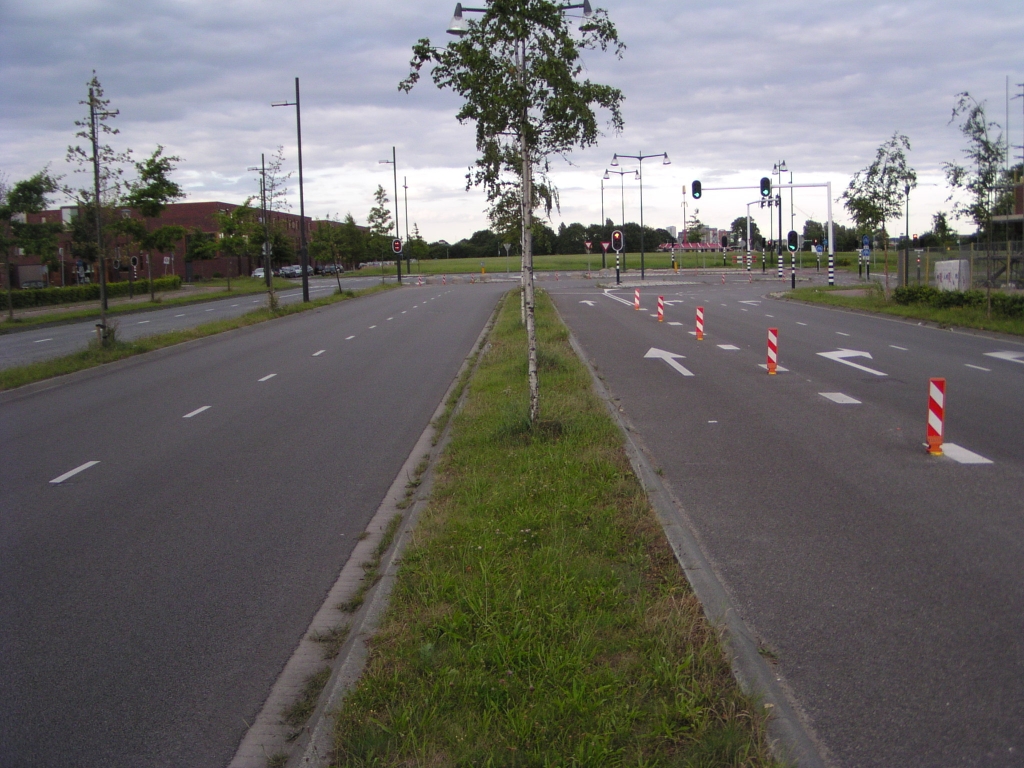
<point>192,216</point>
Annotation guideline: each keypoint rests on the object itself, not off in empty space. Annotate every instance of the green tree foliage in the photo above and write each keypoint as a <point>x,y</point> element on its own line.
<point>34,239</point>
<point>738,232</point>
<point>878,193</point>
<point>241,235</point>
<point>518,72</point>
<point>985,153</point>
<point>381,225</point>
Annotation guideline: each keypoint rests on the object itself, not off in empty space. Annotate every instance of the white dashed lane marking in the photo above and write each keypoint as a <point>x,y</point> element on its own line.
<point>40,341</point>
<point>839,397</point>
<point>268,377</point>
<point>349,338</point>
<point>372,327</point>
<point>978,368</point>
<point>675,323</point>
<point>799,323</point>
<point>729,347</point>
<point>197,411</point>
<point>840,333</point>
<point>179,315</point>
<point>143,322</point>
<point>73,472</point>
<point>901,349</point>
<point>317,354</point>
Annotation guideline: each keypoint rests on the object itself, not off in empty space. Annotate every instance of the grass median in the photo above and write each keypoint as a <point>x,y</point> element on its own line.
<point>539,617</point>
<point>95,354</point>
<point>870,298</point>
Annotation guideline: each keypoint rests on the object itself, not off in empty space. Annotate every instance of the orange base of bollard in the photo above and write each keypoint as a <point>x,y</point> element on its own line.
<point>935,448</point>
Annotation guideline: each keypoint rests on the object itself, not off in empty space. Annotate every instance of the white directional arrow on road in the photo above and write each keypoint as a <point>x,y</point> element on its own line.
<point>1013,357</point>
<point>841,355</point>
<point>668,357</point>
<point>588,303</point>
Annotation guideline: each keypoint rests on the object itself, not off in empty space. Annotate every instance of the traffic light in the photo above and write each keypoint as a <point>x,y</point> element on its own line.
<point>792,241</point>
<point>916,241</point>
<point>617,241</point>
<point>396,245</point>
<point>725,241</point>
<point>766,187</point>
<point>695,189</point>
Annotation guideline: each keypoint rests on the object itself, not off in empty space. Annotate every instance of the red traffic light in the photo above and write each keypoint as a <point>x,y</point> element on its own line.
<point>396,245</point>
<point>617,241</point>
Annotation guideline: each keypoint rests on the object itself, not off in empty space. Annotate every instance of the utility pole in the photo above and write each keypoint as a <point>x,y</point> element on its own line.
<point>408,262</point>
<point>303,249</point>
<point>93,130</point>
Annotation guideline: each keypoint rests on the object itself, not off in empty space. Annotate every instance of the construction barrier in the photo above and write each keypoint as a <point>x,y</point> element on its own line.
<point>636,299</point>
<point>936,415</point>
<point>773,350</point>
<point>700,323</point>
<point>444,279</point>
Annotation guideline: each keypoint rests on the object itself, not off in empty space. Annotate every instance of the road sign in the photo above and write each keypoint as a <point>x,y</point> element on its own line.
<point>866,253</point>
<point>587,244</point>
<point>820,248</point>
<point>396,245</point>
<point>605,246</point>
<point>866,240</point>
<point>167,260</point>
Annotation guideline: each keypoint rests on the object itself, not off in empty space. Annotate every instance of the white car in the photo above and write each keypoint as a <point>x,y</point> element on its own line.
<point>258,273</point>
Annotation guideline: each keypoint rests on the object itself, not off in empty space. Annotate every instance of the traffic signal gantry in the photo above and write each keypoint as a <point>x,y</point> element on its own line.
<point>793,241</point>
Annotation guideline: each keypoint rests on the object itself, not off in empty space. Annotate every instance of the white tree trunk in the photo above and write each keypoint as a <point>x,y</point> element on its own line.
<point>528,293</point>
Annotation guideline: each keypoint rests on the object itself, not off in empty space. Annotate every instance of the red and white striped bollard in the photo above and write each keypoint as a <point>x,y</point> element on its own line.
<point>773,350</point>
<point>444,279</point>
<point>936,415</point>
<point>636,299</point>
<point>661,309</point>
<point>700,323</point>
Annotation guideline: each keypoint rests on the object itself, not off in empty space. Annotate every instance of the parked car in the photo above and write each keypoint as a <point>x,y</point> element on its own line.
<point>330,269</point>
<point>291,270</point>
<point>258,273</point>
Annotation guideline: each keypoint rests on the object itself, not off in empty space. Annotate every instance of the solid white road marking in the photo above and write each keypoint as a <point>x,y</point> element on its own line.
<point>751,302</point>
<point>769,315</point>
<point>317,354</point>
<point>179,315</point>
<point>674,323</point>
<point>197,411</point>
<point>234,305</point>
<point>962,455</point>
<point>713,422</point>
<point>73,472</point>
<point>617,298</point>
<point>978,367</point>
<point>841,355</point>
<point>742,309</point>
<point>349,338</point>
<point>143,322</point>
<point>266,378</point>
<point>729,347</point>
<point>839,397</point>
<point>210,310</point>
<point>668,357</point>
<point>840,333</point>
<point>901,349</point>
<point>1013,357</point>
<point>40,341</point>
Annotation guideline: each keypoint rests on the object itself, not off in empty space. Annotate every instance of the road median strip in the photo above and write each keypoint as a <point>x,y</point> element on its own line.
<point>539,615</point>
<point>95,355</point>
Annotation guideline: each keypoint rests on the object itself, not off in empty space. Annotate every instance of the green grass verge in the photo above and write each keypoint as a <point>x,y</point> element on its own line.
<point>495,265</point>
<point>539,616</point>
<point>874,301</point>
<point>95,355</point>
<point>239,286</point>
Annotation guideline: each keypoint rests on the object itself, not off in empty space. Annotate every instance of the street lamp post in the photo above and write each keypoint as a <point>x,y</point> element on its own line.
<point>303,249</point>
<point>268,273</point>
<point>408,262</point>
<point>622,199</point>
<point>393,162</point>
<point>640,157</point>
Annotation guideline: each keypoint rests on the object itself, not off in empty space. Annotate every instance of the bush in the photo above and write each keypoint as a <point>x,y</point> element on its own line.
<point>1005,304</point>
<point>44,297</point>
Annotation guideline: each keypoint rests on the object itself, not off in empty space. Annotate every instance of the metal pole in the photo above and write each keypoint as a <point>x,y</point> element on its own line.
<point>96,202</point>
<point>622,202</point>
<point>602,202</point>
<point>641,162</point>
<point>778,204</point>
<point>394,168</point>
<point>303,249</point>
<point>408,262</point>
<point>831,242</point>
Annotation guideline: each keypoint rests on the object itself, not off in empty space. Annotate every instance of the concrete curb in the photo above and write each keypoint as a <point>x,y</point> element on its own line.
<point>314,746</point>
<point>791,739</point>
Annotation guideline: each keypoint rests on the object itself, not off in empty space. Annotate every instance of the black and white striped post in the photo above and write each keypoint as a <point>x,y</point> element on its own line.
<point>618,279</point>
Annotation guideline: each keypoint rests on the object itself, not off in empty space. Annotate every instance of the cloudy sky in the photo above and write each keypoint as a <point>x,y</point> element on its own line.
<point>726,88</point>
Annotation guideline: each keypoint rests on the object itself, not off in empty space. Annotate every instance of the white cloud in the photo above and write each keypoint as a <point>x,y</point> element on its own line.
<point>726,89</point>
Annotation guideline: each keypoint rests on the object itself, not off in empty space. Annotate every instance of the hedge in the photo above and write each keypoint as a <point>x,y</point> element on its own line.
<point>43,297</point>
<point>1005,304</point>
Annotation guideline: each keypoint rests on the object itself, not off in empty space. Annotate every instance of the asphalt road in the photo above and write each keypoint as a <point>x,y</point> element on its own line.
<point>37,344</point>
<point>887,583</point>
<point>150,600</point>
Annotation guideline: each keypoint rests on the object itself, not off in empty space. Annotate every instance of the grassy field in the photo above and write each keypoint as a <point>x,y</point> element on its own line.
<point>95,355</point>
<point>874,301</point>
<point>90,310</point>
<point>539,616</point>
